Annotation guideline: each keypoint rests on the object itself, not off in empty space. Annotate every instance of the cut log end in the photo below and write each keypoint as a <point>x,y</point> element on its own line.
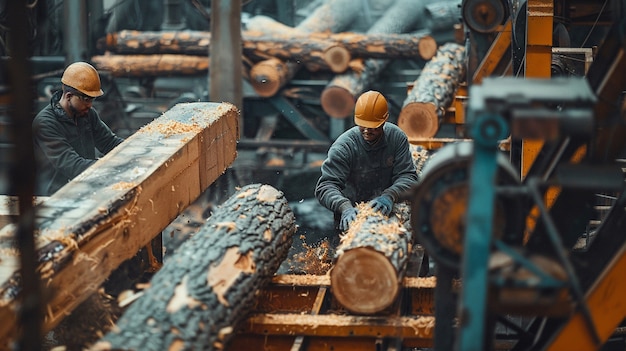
<point>419,120</point>
<point>338,58</point>
<point>427,47</point>
<point>267,77</point>
<point>337,102</point>
<point>364,281</point>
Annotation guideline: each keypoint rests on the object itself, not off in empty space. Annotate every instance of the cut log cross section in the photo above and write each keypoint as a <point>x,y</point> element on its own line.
<point>370,262</point>
<point>207,288</point>
<point>433,92</point>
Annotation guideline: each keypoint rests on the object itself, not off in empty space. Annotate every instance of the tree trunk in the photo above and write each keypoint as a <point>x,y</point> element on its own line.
<point>385,45</point>
<point>370,262</point>
<point>151,65</point>
<point>202,294</point>
<point>339,96</point>
<point>333,16</point>
<point>442,15</point>
<point>267,77</point>
<point>288,43</point>
<point>317,54</point>
<point>433,92</point>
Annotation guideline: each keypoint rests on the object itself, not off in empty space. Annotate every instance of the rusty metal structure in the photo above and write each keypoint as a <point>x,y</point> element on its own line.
<point>520,209</point>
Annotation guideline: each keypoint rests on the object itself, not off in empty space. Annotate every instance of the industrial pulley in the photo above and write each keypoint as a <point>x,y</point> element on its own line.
<point>484,16</point>
<point>439,204</point>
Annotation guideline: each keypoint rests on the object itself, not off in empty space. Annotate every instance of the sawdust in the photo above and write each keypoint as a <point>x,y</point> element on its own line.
<point>123,186</point>
<point>87,323</point>
<point>314,260</point>
<point>170,127</point>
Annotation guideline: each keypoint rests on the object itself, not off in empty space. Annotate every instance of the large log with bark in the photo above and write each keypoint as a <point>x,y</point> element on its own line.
<point>370,262</point>
<point>203,293</point>
<point>117,206</point>
<point>151,65</point>
<point>433,92</point>
<point>332,16</point>
<point>318,50</point>
<point>315,53</point>
<point>340,94</point>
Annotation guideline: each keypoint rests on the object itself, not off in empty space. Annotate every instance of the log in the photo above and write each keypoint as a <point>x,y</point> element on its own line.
<point>316,54</point>
<point>269,76</point>
<point>442,15</point>
<point>433,92</point>
<point>339,95</point>
<point>151,65</point>
<point>118,205</point>
<point>333,16</point>
<point>370,262</point>
<point>288,43</point>
<point>207,289</point>
<point>385,45</point>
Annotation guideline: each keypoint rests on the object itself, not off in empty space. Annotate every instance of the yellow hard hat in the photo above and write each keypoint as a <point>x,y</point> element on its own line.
<point>84,78</point>
<point>370,110</point>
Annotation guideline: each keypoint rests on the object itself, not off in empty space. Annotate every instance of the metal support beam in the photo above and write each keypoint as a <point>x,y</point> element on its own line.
<point>75,30</point>
<point>225,78</point>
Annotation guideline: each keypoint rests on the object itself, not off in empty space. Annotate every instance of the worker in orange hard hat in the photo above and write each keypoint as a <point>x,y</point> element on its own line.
<point>68,132</point>
<point>369,162</point>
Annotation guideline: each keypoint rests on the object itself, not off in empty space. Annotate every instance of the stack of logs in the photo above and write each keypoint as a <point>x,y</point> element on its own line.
<point>274,52</point>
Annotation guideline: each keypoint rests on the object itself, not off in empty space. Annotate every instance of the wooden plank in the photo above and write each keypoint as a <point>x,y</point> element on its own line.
<point>107,213</point>
<point>334,325</point>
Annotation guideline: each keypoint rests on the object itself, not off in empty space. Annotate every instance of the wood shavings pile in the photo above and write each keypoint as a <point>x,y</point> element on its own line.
<point>314,260</point>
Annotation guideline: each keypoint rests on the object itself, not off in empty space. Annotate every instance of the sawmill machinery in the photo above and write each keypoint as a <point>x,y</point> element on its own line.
<point>528,237</point>
<point>520,206</point>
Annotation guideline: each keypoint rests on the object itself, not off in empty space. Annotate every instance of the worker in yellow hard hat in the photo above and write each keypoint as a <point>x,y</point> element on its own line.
<point>369,162</point>
<point>68,131</point>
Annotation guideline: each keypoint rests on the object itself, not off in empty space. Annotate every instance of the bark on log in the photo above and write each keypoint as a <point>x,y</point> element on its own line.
<point>370,262</point>
<point>202,294</point>
<point>333,16</point>
<point>107,213</point>
<point>289,43</point>
<point>316,54</point>
<point>339,96</point>
<point>442,15</point>
<point>385,45</point>
<point>433,92</point>
<point>151,65</point>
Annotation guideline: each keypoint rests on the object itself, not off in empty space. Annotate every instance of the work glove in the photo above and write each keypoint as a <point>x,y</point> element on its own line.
<point>347,216</point>
<point>383,204</point>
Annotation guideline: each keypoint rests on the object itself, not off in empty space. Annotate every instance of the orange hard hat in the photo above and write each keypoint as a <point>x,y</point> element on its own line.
<point>371,110</point>
<point>84,78</point>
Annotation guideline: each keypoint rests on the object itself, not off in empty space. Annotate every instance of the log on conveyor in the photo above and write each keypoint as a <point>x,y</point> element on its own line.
<point>433,92</point>
<point>202,294</point>
<point>370,262</point>
<point>340,94</point>
<point>118,205</point>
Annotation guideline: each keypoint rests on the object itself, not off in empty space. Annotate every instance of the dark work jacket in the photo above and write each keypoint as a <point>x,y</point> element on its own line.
<point>66,146</point>
<point>355,171</point>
